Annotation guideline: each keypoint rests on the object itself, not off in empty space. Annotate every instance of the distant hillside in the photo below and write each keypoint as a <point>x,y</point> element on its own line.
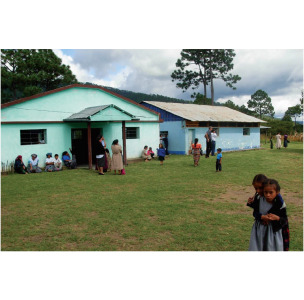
<point>139,97</point>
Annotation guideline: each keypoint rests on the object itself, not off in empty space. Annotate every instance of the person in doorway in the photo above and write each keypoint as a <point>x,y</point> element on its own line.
<point>100,154</point>
<point>49,163</point>
<point>33,164</point>
<point>116,163</point>
<point>196,150</point>
<point>166,143</point>
<point>19,166</point>
<point>213,142</point>
<point>278,143</point>
<point>208,141</point>
<point>57,163</point>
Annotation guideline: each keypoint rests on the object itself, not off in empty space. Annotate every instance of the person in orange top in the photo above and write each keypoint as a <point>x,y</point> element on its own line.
<point>196,150</point>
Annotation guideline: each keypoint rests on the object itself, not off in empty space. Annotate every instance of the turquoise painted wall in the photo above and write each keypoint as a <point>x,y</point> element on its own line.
<point>58,106</point>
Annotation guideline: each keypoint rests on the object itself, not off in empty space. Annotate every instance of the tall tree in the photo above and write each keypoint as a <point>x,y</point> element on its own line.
<point>27,72</point>
<point>293,112</point>
<point>202,66</point>
<point>260,102</point>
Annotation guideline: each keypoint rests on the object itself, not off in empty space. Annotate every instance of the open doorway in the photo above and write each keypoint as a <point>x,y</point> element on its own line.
<point>80,144</point>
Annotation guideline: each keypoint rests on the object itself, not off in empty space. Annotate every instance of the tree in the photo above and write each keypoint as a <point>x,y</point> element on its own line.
<point>202,66</point>
<point>293,111</point>
<point>260,102</point>
<point>27,72</point>
<point>202,100</point>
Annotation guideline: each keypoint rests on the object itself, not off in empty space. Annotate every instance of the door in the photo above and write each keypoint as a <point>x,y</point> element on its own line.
<point>80,144</point>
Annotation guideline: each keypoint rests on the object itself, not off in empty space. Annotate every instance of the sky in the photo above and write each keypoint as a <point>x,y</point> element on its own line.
<point>277,72</point>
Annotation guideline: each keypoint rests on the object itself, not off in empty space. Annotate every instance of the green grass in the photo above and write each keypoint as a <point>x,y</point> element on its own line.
<point>153,207</point>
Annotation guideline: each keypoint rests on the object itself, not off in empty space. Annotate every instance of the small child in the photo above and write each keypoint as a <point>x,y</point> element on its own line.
<point>218,165</point>
<point>161,153</point>
<point>150,152</point>
<point>257,183</point>
<point>270,230</point>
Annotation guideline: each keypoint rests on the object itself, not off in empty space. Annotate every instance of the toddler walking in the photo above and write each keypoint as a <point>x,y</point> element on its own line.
<point>219,156</point>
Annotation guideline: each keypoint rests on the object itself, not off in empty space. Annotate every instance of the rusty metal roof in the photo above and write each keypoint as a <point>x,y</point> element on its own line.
<point>194,112</point>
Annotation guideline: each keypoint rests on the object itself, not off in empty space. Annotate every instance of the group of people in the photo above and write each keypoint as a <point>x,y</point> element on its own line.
<point>148,154</point>
<point>51,164</point>
<point>104,162</point>
<point>197,150</point>
<point>270,231</point>
<point>278,141</point>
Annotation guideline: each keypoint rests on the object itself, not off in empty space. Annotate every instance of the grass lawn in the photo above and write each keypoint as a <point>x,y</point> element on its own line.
<point>153,207</point>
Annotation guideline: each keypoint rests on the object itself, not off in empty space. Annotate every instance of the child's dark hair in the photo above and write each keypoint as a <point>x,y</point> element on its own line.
<point>259,178</point>
<point>219,149</point>
<point>272,182</point>
<point>195,141</point>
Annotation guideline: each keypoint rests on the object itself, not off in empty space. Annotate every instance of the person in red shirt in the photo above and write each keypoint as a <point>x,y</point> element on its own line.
<point>197,152</point>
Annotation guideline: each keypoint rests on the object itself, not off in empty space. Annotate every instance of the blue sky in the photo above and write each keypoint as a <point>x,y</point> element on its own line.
<point>278,72</point>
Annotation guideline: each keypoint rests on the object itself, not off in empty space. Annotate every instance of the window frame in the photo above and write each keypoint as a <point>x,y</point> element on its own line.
<point>128,137</point>
<point>35,137</point>
<point>244,131</point>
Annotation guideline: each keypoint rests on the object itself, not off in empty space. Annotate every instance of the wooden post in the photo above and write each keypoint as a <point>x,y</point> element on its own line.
<point>89,146</point>
<point>124,143</point>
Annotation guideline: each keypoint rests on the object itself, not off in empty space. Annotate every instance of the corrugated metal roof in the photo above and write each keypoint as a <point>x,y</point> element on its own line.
<point>85,114</point>
<point>194,112</point>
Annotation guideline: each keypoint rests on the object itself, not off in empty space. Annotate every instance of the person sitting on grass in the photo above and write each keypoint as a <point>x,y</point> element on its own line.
<point>218,165</point>
<point>161,153</point>
<point>33,164</point>
<point>19,166</point>
<point>49,163</point>
<point>57,163</point>
<point>150,152</point>
<point>145,155</point>
<point>68,162</point>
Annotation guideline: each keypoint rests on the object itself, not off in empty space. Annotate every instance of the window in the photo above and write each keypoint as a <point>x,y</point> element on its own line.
<point>77,134</point>
<point>246,131</point>
<point>132,132</point>
<point>32,137</point>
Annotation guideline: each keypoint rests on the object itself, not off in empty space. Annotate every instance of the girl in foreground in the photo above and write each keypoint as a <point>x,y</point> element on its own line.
<point>270,217</point>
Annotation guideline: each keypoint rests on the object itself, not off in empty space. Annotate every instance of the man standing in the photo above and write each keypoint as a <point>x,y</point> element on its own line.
<point>213,141</point>
<point>208,141</point>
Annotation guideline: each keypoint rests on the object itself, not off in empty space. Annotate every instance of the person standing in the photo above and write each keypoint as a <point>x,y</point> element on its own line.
<point>213,142</point>
<point>278,143</point>
<point>285,140</point>
<point>116,157</point>
<point>100,154</point>
<point>219,156</point>
<point>166,143</point>
<point>208,141</point>
<point>196,149</point>
<point>161,153</point>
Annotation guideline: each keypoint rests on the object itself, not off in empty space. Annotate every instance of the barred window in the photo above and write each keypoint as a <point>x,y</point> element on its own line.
<point>246,131</point>
<point>132,132</point>
<point>32,137</point>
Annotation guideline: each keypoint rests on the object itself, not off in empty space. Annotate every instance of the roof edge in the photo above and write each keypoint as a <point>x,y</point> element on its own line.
<point>21,100</point>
